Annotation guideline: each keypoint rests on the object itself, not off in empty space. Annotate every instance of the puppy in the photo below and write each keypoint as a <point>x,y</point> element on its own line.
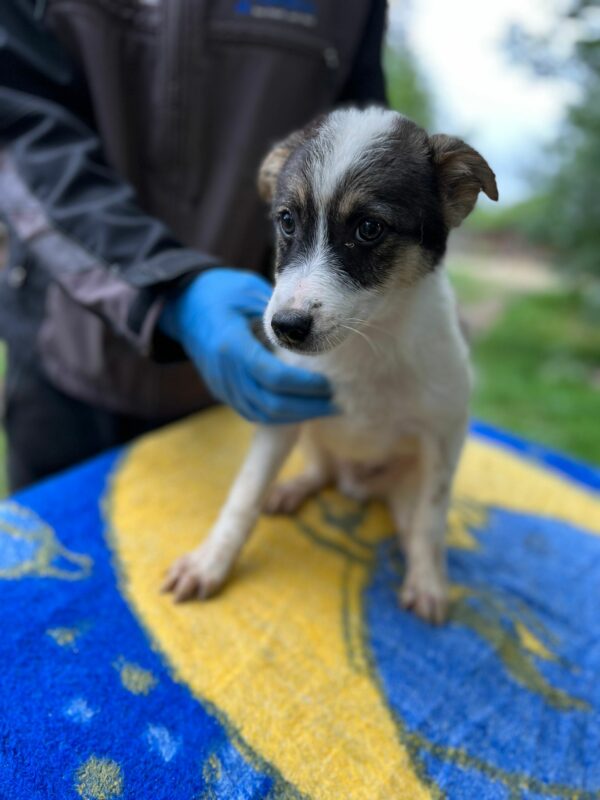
<point>363,202</point>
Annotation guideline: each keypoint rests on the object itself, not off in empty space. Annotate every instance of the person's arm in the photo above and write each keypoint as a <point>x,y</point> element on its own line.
<point>81,223</point>
<point>366,82</point>
<point>62,201</point>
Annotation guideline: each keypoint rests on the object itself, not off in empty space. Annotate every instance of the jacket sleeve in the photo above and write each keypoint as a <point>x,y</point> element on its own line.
<point>68,210</point>
<point>366,82</point>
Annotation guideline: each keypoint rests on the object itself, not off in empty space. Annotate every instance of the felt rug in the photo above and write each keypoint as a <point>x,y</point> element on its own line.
<point>303,678</point>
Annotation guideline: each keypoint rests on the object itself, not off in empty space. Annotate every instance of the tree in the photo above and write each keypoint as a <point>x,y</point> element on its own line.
<point>407,90</point>
<point>570,214</point>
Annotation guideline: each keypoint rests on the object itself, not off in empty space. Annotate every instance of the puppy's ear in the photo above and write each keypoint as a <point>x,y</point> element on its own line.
<point>462,174</point>
<point>274,162</point>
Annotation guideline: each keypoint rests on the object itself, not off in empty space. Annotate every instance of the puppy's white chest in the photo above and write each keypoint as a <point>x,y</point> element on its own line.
<point>410,379</point>
<point>377,414</point>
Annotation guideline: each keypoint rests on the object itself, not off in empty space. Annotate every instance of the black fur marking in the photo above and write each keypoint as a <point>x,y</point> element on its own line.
<point>395,184</point>
<point>295,193</point>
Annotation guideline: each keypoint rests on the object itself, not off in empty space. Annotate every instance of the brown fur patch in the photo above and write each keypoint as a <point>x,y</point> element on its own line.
<point>276,158</point>
<point>274,162</point>
<point>463,173</point>
<point>416,263</point>
<point>349,202</point>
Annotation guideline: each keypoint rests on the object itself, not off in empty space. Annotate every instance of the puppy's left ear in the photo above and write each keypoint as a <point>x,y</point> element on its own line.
<point>462,174</point>
<point>274,162</point>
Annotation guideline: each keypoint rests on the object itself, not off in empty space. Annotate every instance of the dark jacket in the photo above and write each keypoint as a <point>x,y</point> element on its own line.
<point>130,136</point>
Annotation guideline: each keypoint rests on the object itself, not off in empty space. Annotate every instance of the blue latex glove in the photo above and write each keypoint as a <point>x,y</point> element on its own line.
<point>211,320</point>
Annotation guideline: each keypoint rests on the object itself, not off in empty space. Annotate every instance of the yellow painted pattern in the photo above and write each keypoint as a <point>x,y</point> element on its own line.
<point>134,678</point>
<point>19,522</point>
<point>99,779</point>
<point>492,476</point>
<point>281,653</point>
<point>66,637</point>
<point>531,642</point>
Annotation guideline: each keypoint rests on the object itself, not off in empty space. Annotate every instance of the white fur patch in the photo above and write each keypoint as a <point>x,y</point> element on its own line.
<point>346,138</point>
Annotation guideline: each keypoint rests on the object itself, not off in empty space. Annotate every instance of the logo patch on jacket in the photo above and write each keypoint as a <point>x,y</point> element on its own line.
<point>298,12</point>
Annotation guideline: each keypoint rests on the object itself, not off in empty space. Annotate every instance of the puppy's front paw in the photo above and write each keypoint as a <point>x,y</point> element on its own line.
<point>426,594</point>
<point>200,573</point>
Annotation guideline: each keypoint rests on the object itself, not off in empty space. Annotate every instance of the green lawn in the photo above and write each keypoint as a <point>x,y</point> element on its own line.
<point>538,367</point>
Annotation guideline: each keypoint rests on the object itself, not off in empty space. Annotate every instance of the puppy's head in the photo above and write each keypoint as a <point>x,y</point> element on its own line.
<point>362,202</point>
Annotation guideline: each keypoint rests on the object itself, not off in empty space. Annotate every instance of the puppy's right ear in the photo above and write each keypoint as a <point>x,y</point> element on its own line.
<point>462,174</point>
<point>274,162</point>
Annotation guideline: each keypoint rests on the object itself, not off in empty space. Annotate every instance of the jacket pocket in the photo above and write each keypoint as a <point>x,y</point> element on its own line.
<point>288,41</point>
<point>257,83</point>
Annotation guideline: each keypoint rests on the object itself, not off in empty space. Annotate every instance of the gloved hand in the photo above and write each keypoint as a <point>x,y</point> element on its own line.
<point>211,320</point>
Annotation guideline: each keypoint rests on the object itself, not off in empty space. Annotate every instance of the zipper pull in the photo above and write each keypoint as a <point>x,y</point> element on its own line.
<point>331,57</point>
<point>39,9</point>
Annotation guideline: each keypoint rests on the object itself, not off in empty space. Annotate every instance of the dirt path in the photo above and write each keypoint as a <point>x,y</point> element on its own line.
<point>501,276</point>
<point>512,272</point>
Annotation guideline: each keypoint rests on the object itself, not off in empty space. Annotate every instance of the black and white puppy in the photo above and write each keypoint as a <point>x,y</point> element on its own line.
<point>362,203</point>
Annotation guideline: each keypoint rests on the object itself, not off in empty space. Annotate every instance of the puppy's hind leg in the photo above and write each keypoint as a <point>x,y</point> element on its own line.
<point>287,496</point>
<point>402,500</point>
<point>202,572</point>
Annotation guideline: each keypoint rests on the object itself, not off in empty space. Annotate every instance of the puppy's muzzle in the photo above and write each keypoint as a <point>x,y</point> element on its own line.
<point>292,327</point>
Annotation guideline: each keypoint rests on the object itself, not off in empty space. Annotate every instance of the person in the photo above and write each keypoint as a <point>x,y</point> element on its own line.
<point>131,132</point>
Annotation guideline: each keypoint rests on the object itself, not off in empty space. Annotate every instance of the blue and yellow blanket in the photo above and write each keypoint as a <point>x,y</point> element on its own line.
<point>304,678</point>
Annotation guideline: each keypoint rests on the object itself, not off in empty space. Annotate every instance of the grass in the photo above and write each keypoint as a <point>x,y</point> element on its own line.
<point>518,218</point>
<point>537,369</point>
<point>470,290</point>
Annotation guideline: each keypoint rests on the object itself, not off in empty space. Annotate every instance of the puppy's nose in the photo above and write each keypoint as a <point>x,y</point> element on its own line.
<point>291,327</point>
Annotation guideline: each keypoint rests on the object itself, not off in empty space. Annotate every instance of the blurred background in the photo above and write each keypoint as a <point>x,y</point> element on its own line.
<point>520,82</point>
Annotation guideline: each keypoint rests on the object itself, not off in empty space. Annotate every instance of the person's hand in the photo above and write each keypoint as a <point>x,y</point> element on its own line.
<point>211,320</point>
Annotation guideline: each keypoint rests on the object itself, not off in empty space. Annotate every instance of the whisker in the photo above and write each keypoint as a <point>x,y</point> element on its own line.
<point>364,336</point>
<point>367,323</point>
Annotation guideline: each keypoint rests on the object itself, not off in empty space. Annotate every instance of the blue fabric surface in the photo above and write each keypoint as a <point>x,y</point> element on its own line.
<point>59,703</point>
<point>66,645</point>
<point>528,733</point>
<point>583,473</point>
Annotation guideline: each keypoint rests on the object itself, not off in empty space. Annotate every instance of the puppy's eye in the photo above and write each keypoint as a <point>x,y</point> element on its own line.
<point>287,222</point>
<point>368,231</point>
